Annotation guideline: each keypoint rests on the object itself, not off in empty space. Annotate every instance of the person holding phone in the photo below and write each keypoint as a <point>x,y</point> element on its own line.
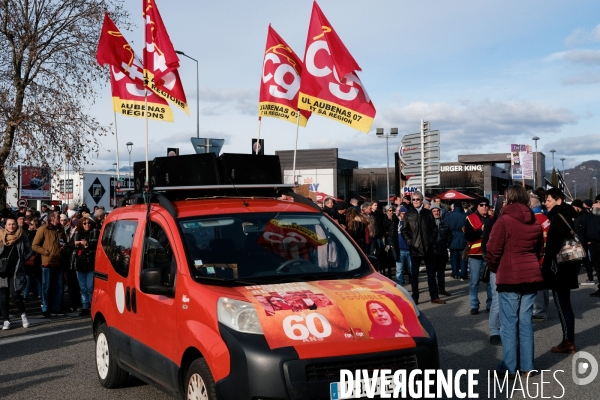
<point>49,240</point>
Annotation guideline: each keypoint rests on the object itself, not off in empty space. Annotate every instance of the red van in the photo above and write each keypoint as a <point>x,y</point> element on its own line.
<point>245,297</point>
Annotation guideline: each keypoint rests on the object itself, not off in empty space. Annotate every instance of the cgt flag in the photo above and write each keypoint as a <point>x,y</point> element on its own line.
<point>326,59</point>
<point>114,50</point>
<point>280,81</point>
<point>160,60</point>
<point>128,99</point>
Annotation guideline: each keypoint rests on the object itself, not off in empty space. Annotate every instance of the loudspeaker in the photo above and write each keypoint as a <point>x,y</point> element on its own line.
<point>139,175</point>
<point>186,170</point>
<point>250,169</point>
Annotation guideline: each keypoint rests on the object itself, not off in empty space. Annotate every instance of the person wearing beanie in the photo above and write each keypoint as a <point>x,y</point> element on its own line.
<point>587,204</point>
<point>456,220</point>
<point>473,233</point>
<point>580,224</point>
<point>591,239</point>
<point>426,204</point>
<point>440,248</point>
<point>340,215</point>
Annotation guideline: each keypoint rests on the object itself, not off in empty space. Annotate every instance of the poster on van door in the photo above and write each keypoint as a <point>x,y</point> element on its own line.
<point>334,311</point>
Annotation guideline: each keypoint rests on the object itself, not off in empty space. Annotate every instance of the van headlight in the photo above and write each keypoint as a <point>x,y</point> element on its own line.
<point>238,315</point>
<point>408,296</point>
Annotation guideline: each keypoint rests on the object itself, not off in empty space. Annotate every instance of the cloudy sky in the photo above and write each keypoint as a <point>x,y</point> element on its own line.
<point>484,73</point>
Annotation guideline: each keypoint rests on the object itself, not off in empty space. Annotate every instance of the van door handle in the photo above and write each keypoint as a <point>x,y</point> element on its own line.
<point>133,300</point>
<point>128,299</point>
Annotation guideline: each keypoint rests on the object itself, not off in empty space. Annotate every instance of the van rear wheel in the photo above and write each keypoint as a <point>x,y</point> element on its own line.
<point>110,374</point>
<point>200,384</point>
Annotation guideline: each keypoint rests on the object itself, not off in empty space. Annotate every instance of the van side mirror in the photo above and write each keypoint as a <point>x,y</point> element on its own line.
<point>374,262</point>
<point>151,283</point>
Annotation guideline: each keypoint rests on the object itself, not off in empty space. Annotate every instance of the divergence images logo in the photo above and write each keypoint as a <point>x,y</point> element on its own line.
<point>581,367</point>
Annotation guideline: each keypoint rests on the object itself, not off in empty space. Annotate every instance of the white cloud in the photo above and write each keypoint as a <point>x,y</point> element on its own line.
<point>585,78</point>
<point>584,145</point>
<point>482,127</point>
<point>219,102</point>
<point>582,36</point>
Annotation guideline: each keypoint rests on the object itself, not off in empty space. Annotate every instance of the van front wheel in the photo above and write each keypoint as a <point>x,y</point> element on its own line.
<point>200,384</point>
<point>110,374</point>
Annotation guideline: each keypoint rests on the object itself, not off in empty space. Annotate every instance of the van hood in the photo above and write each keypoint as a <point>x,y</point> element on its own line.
<point>333,317</point>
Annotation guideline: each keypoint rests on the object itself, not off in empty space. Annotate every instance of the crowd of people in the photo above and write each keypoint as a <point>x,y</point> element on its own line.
<point>41,253</point>
<point>511,247</point>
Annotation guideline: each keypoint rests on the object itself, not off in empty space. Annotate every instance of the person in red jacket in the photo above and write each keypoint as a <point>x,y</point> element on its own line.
<point>514,251</point>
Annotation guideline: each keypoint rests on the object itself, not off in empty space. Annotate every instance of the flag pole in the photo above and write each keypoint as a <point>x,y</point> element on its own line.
<point>117,140</point>
<point>258,140</point>
<point>146,99</point>
<point>295,149</point>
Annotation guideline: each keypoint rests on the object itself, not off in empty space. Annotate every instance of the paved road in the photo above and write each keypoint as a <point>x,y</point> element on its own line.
<point>54,358</point>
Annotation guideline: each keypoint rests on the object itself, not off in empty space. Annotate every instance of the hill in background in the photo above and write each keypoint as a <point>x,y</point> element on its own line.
<point>583,175</point>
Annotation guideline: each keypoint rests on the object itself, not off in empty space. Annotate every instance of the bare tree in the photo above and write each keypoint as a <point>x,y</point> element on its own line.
<point>48,80</point>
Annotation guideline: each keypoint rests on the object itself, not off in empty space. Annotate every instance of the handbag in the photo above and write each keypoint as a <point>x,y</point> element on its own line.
<point>571,249</point>
<point>485,273</point>
<point>4,265</point>
<point>465,253</point>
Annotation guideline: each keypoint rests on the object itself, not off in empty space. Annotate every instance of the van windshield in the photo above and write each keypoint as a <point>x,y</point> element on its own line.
<point>269,247</point>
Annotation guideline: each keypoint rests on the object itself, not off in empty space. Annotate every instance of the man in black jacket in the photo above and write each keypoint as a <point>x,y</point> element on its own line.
<point>419,230</point>
<point>580,225</point>
<point>592,239</point>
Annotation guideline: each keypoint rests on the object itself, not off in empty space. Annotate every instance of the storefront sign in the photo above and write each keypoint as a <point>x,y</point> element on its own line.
<point>461,168</point>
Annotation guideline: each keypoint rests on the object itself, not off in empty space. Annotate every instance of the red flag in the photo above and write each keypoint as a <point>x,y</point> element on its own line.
<point>280,81</point>
<point>114,50</point>
<point>128,99</point>
<point>160,60</point>
<point>326,59</point>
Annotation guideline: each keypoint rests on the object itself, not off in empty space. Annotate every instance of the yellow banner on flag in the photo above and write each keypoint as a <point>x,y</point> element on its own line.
<point>135,108</point>
<point>335,111</point>
<point>277,110</point>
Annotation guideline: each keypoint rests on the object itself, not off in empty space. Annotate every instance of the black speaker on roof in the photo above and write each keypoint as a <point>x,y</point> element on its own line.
<point>250,169</point>
<point>186,170</point>
<point>139,175</point>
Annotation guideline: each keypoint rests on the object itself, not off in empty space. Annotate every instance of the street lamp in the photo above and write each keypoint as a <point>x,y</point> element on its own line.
<point>596,182</point>
<point>574,190</point>
<point>552,151</point>
<point>535,139</point>
<point>393,133</point>
<point>129,148</point>
<point>114,185</point>
<point>197,92</point>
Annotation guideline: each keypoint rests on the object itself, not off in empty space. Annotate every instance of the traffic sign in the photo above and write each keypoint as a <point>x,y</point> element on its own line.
<point>22,203</point>
<point>430,180</point>
<point>431,138</point>
<point>415,157</point>
<point>415,169</point>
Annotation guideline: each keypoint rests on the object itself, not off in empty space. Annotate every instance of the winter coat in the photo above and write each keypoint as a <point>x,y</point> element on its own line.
<point>47,243</point>
<point>565,277</point>
<point>23,249</point>
<point>580,224</point>
<point>390,229</point>
<point>592,228</point>
<point>456,223</point>
<point>514,249</point>
<point>443,237</point>
<point>83,259</point>
<point>419,230</point>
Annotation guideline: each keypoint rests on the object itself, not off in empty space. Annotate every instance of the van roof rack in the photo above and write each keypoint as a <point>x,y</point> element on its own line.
<point>165,195</point>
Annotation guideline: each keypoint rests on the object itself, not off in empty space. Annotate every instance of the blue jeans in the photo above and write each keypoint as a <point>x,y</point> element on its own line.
<point>86,286</point>
<point>475,265</point>
<point>494,309</point>
<point>52,289</point>
<point>414,277</point>
<point>516,317</point>
<point>32,281</point>
<point>542,299</point>
<point>459,267</point>
<point>402,264</point>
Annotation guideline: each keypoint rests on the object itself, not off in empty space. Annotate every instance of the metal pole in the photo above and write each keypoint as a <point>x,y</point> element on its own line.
<point>387,155</point>
<point>197,101</point>
<point>535,169</point>
<point>295,149</point>
<point>423,158</point>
